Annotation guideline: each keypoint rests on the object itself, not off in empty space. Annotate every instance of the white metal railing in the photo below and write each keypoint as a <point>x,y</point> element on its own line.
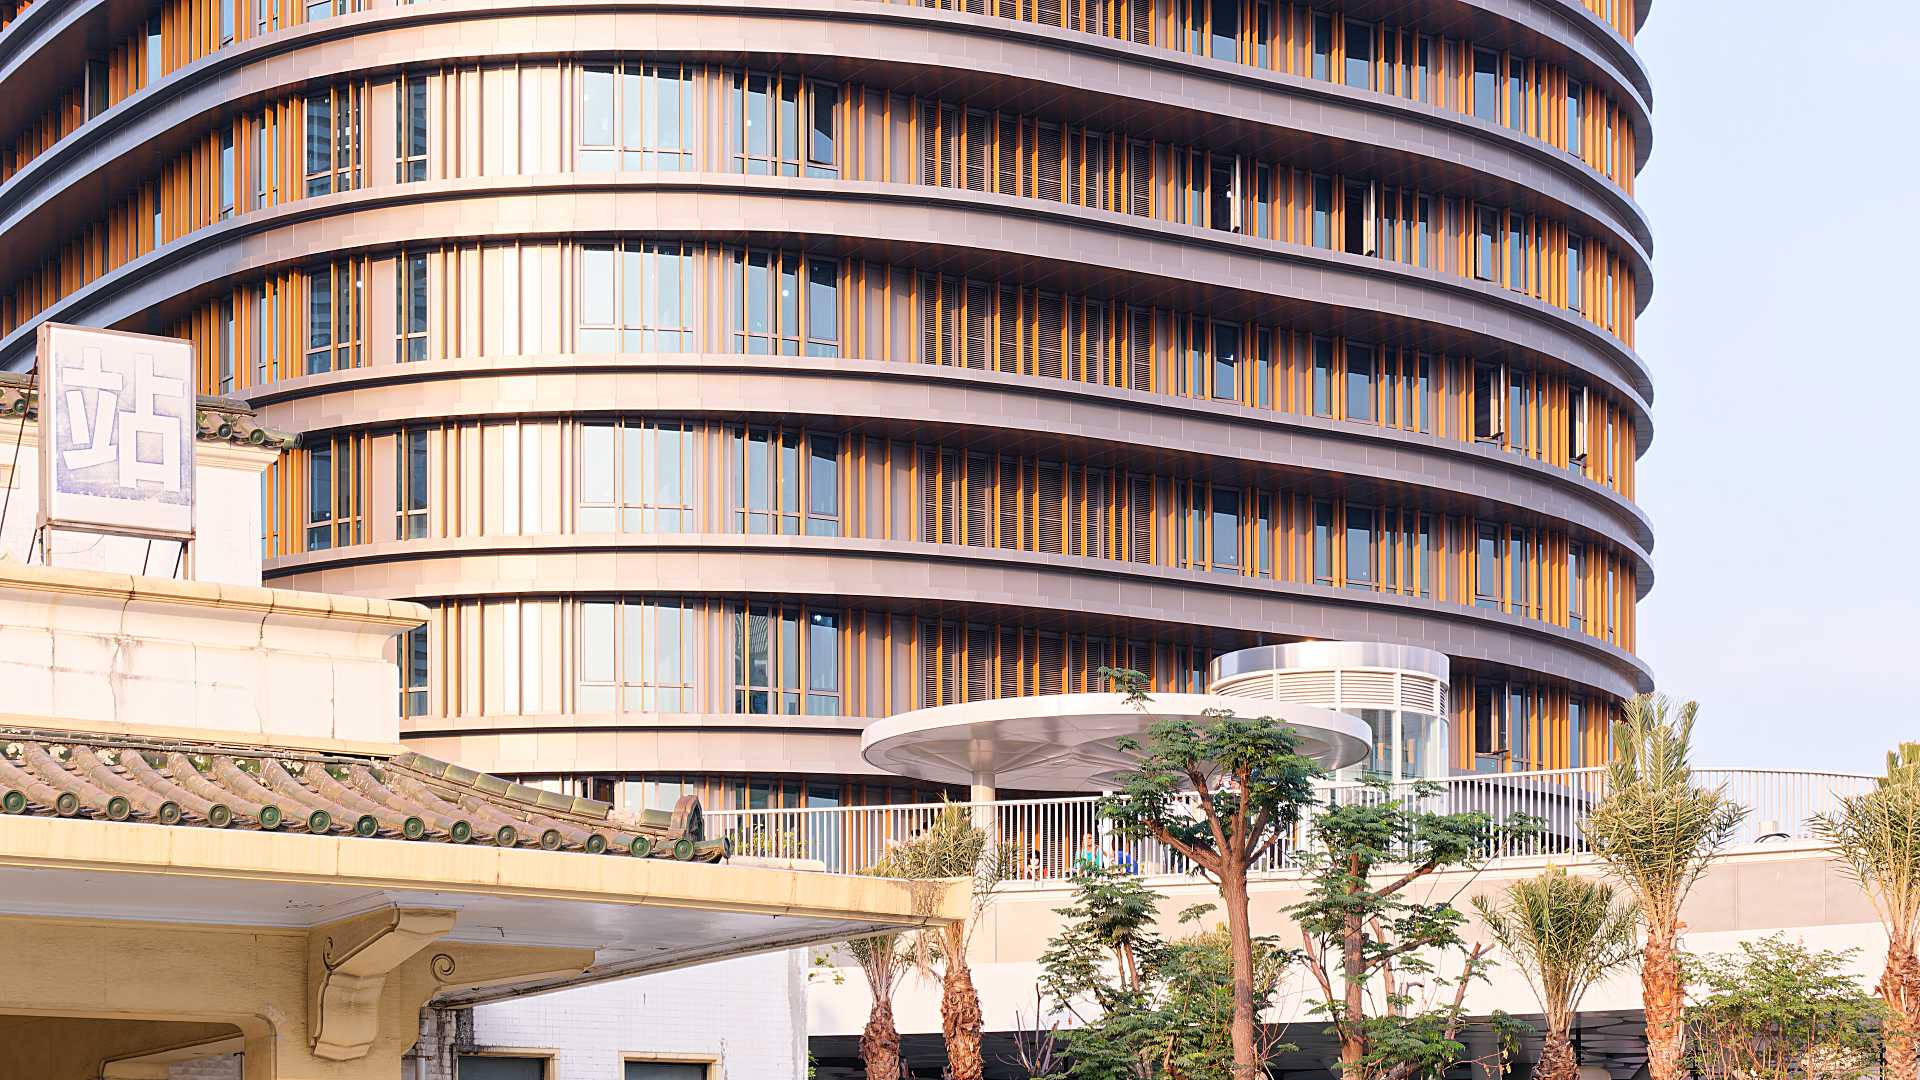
<point>1048,836</point>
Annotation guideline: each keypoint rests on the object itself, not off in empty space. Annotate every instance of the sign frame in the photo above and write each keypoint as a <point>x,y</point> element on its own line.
<point>119,514</point>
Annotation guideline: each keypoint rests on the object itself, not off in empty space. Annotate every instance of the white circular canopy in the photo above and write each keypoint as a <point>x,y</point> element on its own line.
<point>1065,742</point>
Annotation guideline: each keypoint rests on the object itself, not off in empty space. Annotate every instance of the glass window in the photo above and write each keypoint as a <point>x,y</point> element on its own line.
<point>634,656</point>
<point>1520,568</point>
<point>636,476</point>
<point>1322,212</point>
<point>1225,529</point>
<point>1576,733</point>
<point>1223,208</point>
<point>636,297</point>
<point>319,321</point>
<point>413,672</point>
<point>410,483</point>
<point>1517,93</point>
<point>1360,382</point>
<point>226,172</point>
<point>1490,567</point>
<point>266,325</point>
<point>1519,413</point>
<point>153,200</point>
<point>770,652</point>
<point>1360,547</point>
<point>410,307</point>
<point>1357,238</point>
<point>1486,85</point>
<point>226,22</point>
<point>665,1070</point>
<point>410,129</point>
<point>1519,274</point>
<point>766,131</point>
<point>266,162</point>
<point>1487,394</point>
<point>1576,119</point>
<point>636,117</point>
<point>1490,726</point>
<point>1576,286</point>
<point>1576,587</point>
<point>332,140</point>
<point>1263,536</point>
<point>823,145</point>
<point>1226,29</point>
<point>1486,250</point>
<point>154,53</point>
<point>1359,73</point>
<point>823,485</point>
<point>333,317</point>
<point>1322,377</point>
<point>765,305</point>
<point>488,1067</point>
<point>1322,61</point>
<point>1226,361</point>
<point>226,346</point>
<point>332,493</point>
<point>1323,543</point>
<point>766,477</point>
<point>823,308</point>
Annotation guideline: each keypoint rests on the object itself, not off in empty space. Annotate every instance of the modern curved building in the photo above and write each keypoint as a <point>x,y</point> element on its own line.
<point>726,374</point>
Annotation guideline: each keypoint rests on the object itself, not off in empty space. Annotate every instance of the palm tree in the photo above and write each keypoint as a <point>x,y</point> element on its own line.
<point>1657,830</point>
<point>1566,933</point>
<point>951,846</point>
<point>1877,836</point>
<point>882,959</point>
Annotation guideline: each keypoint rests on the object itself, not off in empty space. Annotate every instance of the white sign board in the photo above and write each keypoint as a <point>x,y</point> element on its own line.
<point>117,428</point>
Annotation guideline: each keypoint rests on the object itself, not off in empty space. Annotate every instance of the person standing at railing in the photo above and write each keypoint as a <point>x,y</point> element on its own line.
<point>1089,858</point>
<point>1124,861</point>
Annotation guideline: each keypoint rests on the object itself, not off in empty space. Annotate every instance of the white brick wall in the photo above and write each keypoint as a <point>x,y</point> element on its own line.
<point>748,1015</point>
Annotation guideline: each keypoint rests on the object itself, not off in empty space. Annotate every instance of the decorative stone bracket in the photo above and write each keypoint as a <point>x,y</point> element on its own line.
<point>347,967</point>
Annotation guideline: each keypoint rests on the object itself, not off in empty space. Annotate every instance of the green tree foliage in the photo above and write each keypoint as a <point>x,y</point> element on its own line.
<point>1877,836</point>
<point>1565,933</point>
<point>1657,830</point>
<point>1223,793</point>
<point>1147,1008</point>
<point>1779,1011</point>
<point>1373,948</point>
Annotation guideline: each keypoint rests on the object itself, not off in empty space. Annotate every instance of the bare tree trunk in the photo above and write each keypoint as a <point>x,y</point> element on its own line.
<point>880,1042</point>
<point>1663,996</point>
<point>1556,1059</point>
<point>1353,1044</point>
<point>960,1019</point>
<point>1900,989</point>
<point>1246,1051</point>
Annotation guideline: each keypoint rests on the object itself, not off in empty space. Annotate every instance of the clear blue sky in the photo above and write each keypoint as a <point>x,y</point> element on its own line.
<point>1784,189</point>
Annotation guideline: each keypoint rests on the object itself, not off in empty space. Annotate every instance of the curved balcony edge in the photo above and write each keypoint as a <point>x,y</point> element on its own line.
<point>884,572</point>
<point>885,219</point>
<point>1033,410</point>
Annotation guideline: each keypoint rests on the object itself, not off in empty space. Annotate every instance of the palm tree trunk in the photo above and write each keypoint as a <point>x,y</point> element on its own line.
<point>1662,994</point>
<point>880,1042</point>
<point>1556,1059</point>
<point>1900,989</point>
<point>960,1019</point>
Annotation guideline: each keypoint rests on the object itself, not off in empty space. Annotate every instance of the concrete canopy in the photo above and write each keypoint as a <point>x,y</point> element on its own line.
<point>1065,742</point>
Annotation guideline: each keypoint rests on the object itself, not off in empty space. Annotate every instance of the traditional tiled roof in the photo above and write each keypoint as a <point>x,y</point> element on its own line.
<point>218,419</point>
<point>403,796</point>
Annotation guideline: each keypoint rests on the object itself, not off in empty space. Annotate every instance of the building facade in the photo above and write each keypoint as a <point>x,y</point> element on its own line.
<point>726,375</point>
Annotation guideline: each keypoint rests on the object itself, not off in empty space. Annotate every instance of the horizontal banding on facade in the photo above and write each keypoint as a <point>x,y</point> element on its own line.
<point>1152,261</point>
<point>1031,411</point>
<point>913,575</point>
<point>905,48</point>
